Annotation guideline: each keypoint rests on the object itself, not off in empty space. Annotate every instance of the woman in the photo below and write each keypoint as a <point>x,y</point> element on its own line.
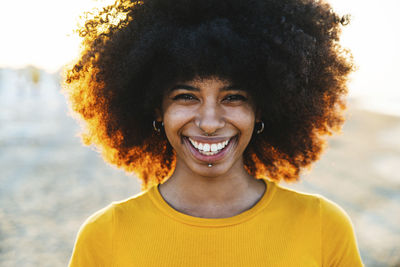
<point>211,103</point>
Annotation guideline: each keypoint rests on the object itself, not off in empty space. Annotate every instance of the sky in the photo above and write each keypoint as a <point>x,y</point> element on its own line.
<point>374,39</point>
<point>40,33</point>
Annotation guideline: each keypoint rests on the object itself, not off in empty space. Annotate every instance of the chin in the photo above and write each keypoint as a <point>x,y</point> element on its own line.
<point>217,169</point>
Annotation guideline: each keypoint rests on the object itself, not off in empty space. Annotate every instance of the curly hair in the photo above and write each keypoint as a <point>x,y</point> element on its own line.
<point>285,53</point>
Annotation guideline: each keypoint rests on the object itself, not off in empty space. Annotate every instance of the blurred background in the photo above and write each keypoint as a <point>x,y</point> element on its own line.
<point>50,183</point>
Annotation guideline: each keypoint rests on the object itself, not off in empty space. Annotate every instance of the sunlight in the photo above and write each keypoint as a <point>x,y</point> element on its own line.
<point>374,40</point>
<point>373,37</point>
<point>40,33</point>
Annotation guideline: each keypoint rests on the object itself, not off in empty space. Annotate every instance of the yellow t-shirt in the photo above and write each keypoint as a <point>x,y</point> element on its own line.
<point>284,228</point>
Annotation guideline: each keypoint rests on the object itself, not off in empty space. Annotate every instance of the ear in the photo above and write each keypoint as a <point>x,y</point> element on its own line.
<point>158,115</point>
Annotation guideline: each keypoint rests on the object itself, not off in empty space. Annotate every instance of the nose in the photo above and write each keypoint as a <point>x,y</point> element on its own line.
<point>210,118</point>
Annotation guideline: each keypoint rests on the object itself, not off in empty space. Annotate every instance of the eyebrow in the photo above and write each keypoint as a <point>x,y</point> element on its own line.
<point>191,88</point>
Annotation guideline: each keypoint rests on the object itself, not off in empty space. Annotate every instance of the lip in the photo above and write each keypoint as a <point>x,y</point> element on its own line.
<point>211,158</point>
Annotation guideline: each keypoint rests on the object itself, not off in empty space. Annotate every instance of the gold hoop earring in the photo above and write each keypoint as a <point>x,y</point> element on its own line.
<point>261,129</point>
<point>156,128</point>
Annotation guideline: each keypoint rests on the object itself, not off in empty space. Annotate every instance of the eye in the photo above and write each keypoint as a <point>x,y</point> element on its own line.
<point>235,98</point>
<point>184,97</point>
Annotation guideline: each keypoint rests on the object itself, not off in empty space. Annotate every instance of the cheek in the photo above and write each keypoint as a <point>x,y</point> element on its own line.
<point>243,119</point>
<point>175,118</point>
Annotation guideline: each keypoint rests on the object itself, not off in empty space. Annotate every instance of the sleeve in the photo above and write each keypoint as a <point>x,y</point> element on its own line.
<point>94,241</point>
<point>339,245</point>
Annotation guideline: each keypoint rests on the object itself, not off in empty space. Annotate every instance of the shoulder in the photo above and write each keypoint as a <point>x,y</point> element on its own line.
<point>331,217</point>
<point>319,215</point>
<point>334,218</point>
<point>295,203</point>
<point>101,218</point>
<point>339,243</point>
<point>93,244</point>
<point>314,204</point>
<point>94,241</point>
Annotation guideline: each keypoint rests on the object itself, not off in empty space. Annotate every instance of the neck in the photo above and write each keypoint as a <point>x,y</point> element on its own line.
<point>218,196</point>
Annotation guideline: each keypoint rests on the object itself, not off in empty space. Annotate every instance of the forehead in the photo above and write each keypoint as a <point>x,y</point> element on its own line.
<point>212,83</point>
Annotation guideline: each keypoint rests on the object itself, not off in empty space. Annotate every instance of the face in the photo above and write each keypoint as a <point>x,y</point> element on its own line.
<point>208,121</point>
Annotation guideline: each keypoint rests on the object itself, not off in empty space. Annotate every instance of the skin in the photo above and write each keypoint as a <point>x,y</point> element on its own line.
<point>194,109</point>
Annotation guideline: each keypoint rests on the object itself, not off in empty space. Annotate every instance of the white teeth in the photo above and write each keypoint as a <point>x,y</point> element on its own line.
<point>214,148</point>
<point>206,147</point>
<point>209,149</point>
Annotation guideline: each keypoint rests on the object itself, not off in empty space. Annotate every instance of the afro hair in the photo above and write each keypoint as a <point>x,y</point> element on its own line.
<point>285,53</point>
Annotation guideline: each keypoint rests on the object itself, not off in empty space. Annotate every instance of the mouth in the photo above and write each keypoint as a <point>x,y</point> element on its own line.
<point>209,151</point>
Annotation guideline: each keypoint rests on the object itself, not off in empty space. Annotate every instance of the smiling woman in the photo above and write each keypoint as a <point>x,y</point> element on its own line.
<point>211,103</point>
